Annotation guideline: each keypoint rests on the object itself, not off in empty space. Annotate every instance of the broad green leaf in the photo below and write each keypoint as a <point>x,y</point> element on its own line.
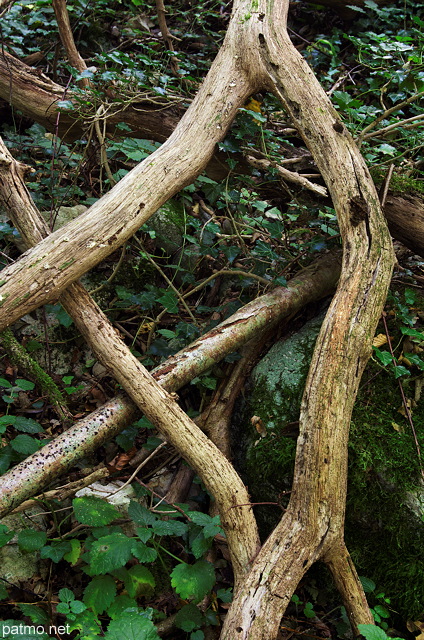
<point>25,385</point>
<point>144,534</point>
<point>131,626</point>
<point>170,301</point>
<point>120,604</point>
<point>75,552</point>
<point>143,553</point>
<point>382,611</point>
<point>367,584</point>
<point>401,371</point>
<point>371,632</point>
<point>25,444</point>
<point>211,526</point>
<point>88,624</point>
<point>188,618</point>
<point>384,356</point>
<point>31,540</point>
<point>27,425</point>
<point>140,514</point>
<point>169,528</point>
<point>37,615</point>
<point>100,593</point>
<point>193,581</point>
<point>66,595</point>
<point>55,551</point>
<point>110,553</point>
<point>409,331</point>
<point>139,581</point>
<point>77,606</point>
<point>5,535</point>
<point>199,544</point>
<point>94,511</point>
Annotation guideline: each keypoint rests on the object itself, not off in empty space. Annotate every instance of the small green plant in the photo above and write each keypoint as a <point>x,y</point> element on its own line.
<point>380,609</point>
<point>371,632</point>
<point>308,607</point>
<point>105,553</point>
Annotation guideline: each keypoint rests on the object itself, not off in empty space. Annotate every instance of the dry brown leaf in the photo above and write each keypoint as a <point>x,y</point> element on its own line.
<point>379,340</point>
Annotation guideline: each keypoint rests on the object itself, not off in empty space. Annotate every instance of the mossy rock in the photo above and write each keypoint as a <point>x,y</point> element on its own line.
<point>385,508</point>
<point>274,391</point>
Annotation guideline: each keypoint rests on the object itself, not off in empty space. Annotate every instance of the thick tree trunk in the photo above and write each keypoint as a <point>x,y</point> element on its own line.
<point>313,523</point>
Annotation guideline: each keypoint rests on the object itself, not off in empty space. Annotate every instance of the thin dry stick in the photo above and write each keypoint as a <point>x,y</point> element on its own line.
<point>140,466</point>
<point>166,34</point>
<point>291,176</point>
<point>387,113</point>
<point>390,127</point>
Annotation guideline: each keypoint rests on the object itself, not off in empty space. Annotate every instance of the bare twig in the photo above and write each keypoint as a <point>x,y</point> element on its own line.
<point>291,176</point>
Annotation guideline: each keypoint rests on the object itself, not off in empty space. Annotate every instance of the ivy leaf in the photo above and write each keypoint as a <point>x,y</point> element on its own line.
<point>409,331</point>
<point>94,511</point>
<point>384,356</point>
<point>193,581</point>
<point>30,540</point>
<point>170,301</point>
<point>131,626</point>
<point>401,371</point>
<point>110,553</point>
<point>100,593</point>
